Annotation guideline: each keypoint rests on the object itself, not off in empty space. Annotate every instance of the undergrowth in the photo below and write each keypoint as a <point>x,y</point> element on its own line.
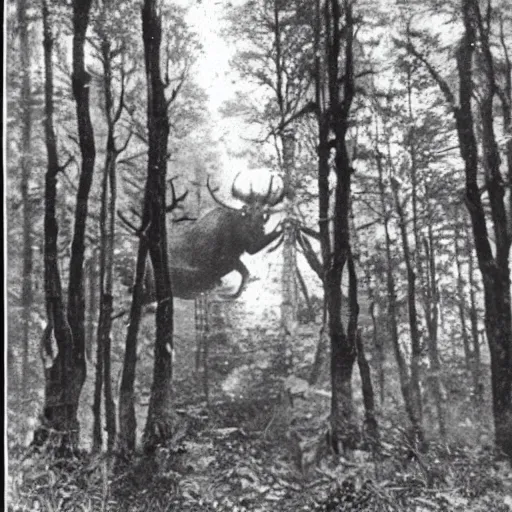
<point>246,457</point>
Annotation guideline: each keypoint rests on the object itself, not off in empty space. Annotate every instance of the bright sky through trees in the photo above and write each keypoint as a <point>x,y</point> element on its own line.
<point>215,75</point>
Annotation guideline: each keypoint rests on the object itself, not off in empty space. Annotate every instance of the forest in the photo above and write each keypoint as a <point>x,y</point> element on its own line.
<point>258,255</point>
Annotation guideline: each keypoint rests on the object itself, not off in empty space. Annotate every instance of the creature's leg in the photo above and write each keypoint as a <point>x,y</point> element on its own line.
<point>242,269</point>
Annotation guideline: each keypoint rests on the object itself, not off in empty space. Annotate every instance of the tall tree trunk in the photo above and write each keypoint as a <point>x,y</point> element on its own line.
<point>414,379</point>
<point>76,298</point>
<point>97,424</point>
<point>92,306</point>
<point>287,138</point>
<point>506,105</point>
<point>161,414</point>
<point>494,268</point>
<point>354,333</point>
<point>343,351</point>
<point>403,373</point>
<point>323,187</point>
<point>493,265</point>
<point>378,343</point>
<point>289,309</point>
<point>26,169</point>
<point>107,234</point>
<point>461,305</point>
<point>310,316</point>
<point>432,320</point>
<point>59,421</point>
<point>127,418</point>
<point>321,349</point>
<point>103,360</point>
<point>473,318</point>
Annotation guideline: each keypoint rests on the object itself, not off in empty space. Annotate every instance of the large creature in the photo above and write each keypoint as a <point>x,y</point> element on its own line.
<point>203,251</point>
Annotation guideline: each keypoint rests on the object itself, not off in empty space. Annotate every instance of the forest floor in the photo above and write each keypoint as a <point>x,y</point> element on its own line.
<point>248,451</point>
<point>258,456</point>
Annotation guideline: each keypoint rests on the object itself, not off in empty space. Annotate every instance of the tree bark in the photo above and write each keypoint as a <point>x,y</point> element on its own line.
<point>76,297</point>
<point>92,306</point>
<point>310,316</point>
<point>495,269</point>
<point>378,343</point>
<point>289,282</point>
<point>161,414</point>
<point>323,151</point>
<point>321,349</point>
<point>414,378</point>
<point>287,137</point>
<point>59,421</point>
<point>354,333</point>
<point>473,317</point>
<point>127,418</point>
<point>97,426</point>
<point>343,351</point>
<point>107,234</point>
<point>432,320</point>
<point>26,170</point>
<point>461,304</point>
<point>410,406</point>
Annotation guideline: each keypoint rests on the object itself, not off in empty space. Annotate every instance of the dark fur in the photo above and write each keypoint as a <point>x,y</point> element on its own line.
<point>203,251</point>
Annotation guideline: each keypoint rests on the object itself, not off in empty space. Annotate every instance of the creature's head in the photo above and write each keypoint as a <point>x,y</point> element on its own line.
<point>257,205</point>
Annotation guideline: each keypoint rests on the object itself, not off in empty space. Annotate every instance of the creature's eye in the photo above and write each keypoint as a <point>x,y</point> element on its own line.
<point>266,216</point>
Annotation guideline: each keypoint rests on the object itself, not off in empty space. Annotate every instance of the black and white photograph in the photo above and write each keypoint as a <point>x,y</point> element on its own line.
<point>257,255</point>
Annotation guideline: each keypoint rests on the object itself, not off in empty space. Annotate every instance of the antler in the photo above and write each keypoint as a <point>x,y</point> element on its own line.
<point>216,199</point>
<point>278,199</point>
<point>251,198</point>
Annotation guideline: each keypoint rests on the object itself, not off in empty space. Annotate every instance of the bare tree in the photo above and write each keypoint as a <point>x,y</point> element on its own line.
<point>493,264</point>
<point>339,30</point>
<point>26,170</point>
<point>160,415</point>
<point>61,395</point>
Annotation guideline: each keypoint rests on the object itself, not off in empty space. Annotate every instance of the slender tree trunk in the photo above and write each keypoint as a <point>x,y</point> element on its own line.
<point>206,347</point>
<point>103,364</point>
<point>92,306</point>
<point>97,425</point>
<point>343,350</point>
<point>321,349</point>
<point>473,317</point>
<point>310,317</point>
<point>202,313</point>
<point>199,322</point>
<point>76,296</point>
<point>59,421</point>
<point>127,418</point>
<point>110,407</point>
<point>431,313</point>
<point>26,170</point>
<point>409,403</point>
<point>506,105</point>
<point>161,413</point>
<point>381,353</point>
<point>377,341</point>
<point>494,267</point>
<point>289,282</point>
<point>107,234</point>
<point>414,380</point>
<point>354,333</point>
<point>287,137</point>
<point>461,304</point>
